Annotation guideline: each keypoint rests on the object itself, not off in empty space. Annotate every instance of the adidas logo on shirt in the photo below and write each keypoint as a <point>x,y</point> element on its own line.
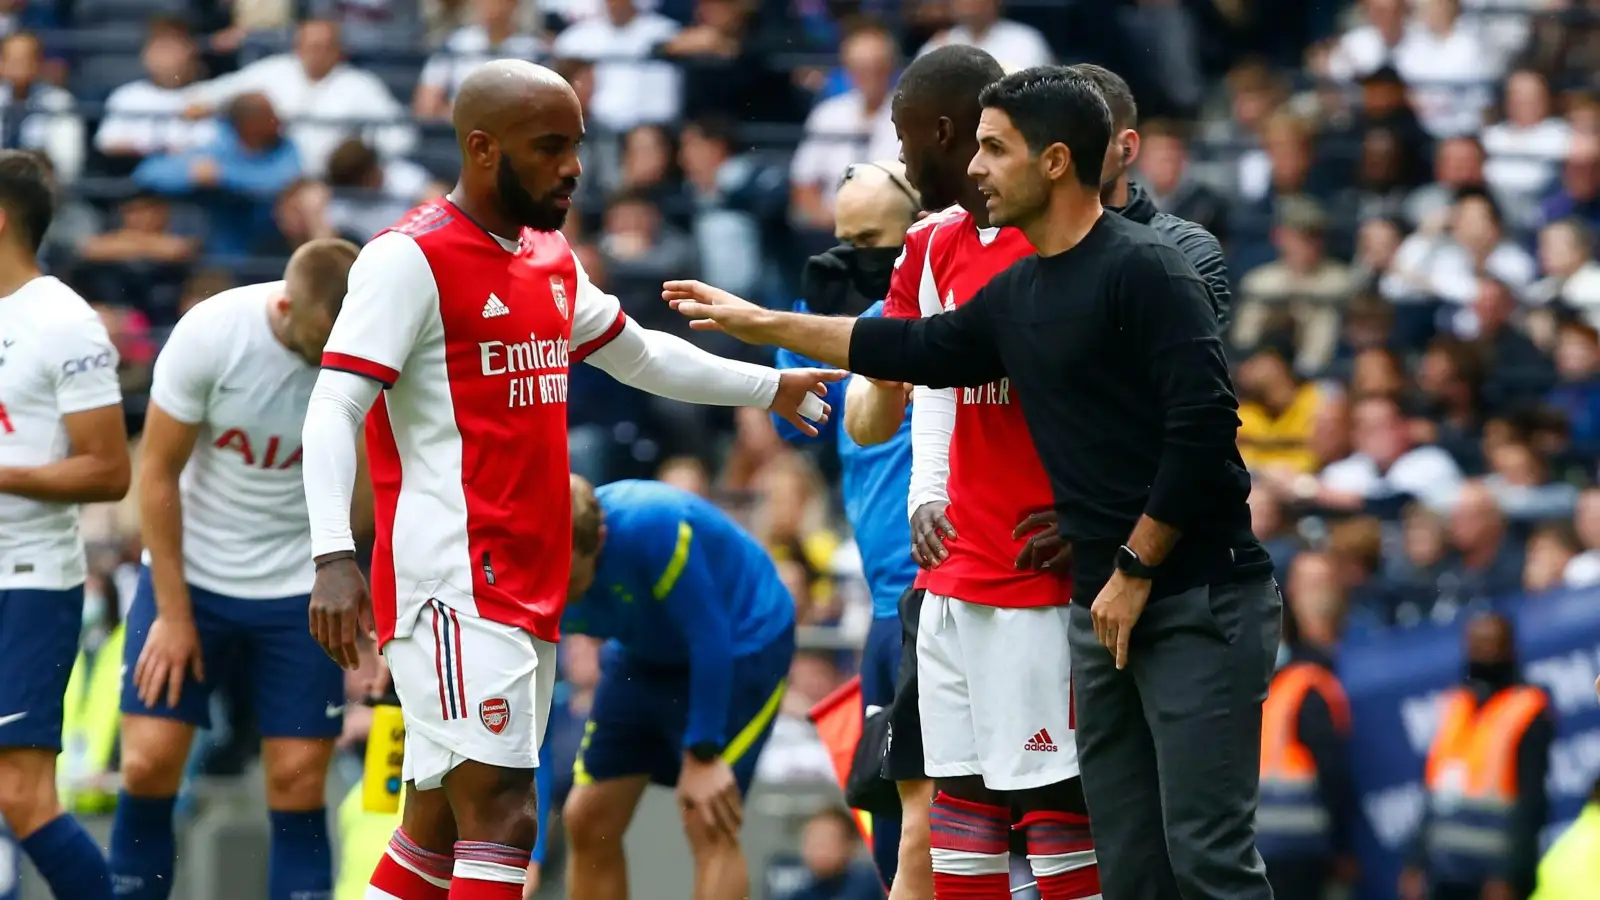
<point>1041,742</point>
<point>494,307</point>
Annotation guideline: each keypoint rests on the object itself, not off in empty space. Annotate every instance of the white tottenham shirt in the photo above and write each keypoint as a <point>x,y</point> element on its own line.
<point>56,359</point>
<point>245,529</point>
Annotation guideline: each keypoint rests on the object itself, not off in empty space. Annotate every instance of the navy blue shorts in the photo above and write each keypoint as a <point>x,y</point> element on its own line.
<point>880,662</point>
<point>39,632</point>
<point>299,691</point>
<point>640,714</point>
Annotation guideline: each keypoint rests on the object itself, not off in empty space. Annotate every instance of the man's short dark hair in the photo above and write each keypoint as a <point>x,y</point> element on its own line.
<point>351,164</point>
<point>1117,94</point>
<point>949,80</point>
<point>27,196</point>
<point>1056,105</point>
<point>719,129</point>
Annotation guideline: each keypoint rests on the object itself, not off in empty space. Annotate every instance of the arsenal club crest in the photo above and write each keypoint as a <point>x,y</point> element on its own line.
<point>558,292</point>
<point>495,713</point>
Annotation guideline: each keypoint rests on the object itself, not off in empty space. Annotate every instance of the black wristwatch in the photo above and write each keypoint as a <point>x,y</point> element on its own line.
<point>705,751</point>
<point>1129,563</point>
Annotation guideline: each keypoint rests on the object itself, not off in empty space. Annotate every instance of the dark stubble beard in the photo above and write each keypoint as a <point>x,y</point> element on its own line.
<point>540,215</point>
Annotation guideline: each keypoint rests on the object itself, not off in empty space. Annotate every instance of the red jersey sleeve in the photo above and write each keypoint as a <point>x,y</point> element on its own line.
<point>906,282</point>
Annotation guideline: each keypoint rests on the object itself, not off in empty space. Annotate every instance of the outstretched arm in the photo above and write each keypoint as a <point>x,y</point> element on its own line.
<point>946,350</point>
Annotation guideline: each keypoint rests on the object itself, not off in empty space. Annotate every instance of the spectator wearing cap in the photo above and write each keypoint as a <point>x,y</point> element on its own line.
<point>36,115</point>
<point>324,98</point>
<point>146,116</point>
<point>1302,290</point>
<point>237,177</point>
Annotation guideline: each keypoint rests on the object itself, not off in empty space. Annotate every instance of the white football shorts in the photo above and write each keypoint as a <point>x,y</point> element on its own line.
<point>470,689</point>
<point>996,693</point>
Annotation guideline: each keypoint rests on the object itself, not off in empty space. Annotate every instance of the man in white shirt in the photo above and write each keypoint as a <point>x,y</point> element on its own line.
<point>852,127</point>
<point>1369,47</point>
<point>62,443</point>
<point>629,88</point>
<point>493,36</point>
<point>36,114</point>
<point>228,572</point>
<point>978,24</point>
<point>146,116</point>
<point>1386,465</point>
<point>323,99</point>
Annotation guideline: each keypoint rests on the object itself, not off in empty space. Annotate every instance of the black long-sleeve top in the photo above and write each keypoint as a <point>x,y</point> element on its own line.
<point>1113,350</point>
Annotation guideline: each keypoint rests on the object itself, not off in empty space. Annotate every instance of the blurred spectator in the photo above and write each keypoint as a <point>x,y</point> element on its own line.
<point>34,114</point>
<point>1315,598</point>
<point>201,286</point>
<point>1382,182</point>
<point>600,152</point>
<point>236,178</point>
<point>792,522</point>
<point>1254,93</point>
<point>1572,276</point>
<point>1387,465</point>
<point>1283,167</point>
<point>1299,294</point>
<point>1272,526</point>
<point>146,116</point>
<point>1415,574</point>
<point>1576,395</point>
<point>849,128</point>
<point>1520,483</point>
<point>75,221</point>
<point>1164,172</point>
<point>1449,67</point>
<point>978,24</point>
<point>324,98</point>
<point>1484,562</point>
<point>733,196</point>
<point>301,215</point>
<point>369,195</point>
<point>142,262</point>
<point>1371,45</point>
<point>686,473</point>
<point>1276,413</point>
<point>1584,569</point>
<point>1458,164</point>
<point>1377,243</point>
<point>1450,385</point>
<point>1526,147</point>
<point>369,25</point>
<point>1386,106</point>
<point>829,847</point>
<point>493,35</point>
<point>1579,192</point>
<point>1355,550</point>
<point>1551,549</point>
<point>1519,373</point>
<point>630,87</point>
<point>641,251</point>
<point>725,60</point>
<point>1434,263</point>
<point>650,169</point>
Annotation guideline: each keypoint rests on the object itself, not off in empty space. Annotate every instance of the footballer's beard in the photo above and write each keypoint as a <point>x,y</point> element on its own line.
<point>540,215</point>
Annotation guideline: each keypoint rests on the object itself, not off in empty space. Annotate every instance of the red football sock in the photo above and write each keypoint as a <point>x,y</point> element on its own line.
<point>408,872</point>
<point>971,859</point>
<point>488,871</point>
<point>1061,854</point>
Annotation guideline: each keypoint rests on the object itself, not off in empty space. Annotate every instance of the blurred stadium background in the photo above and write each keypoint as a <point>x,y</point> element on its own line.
<point>1408,192</point>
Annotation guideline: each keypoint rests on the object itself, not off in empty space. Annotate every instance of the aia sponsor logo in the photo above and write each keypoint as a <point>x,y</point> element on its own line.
<point>1041,743</point>
<point>495,713</point>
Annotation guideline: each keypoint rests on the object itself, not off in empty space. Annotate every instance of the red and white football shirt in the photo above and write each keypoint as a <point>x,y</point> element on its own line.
<point>472,340</point>
<point>996,479</point>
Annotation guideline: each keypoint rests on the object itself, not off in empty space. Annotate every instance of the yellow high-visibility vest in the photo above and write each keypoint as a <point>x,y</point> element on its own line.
<point>363,838</point>
<point>1571,868</point>
<point>90,721</point>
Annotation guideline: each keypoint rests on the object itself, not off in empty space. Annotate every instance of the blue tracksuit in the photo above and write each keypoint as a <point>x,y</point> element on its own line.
<point>700,629</point>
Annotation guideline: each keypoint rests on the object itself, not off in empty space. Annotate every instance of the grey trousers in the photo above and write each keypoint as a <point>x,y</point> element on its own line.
<point>1171,746</point>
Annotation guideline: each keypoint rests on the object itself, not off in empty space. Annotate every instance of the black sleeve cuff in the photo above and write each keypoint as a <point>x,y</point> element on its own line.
<point>877,349</point>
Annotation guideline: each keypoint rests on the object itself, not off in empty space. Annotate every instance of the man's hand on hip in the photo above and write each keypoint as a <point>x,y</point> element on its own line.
<point>929,530</point>
<point>1045,548</point>
<point>714,309</point>
<point>1117,610</point>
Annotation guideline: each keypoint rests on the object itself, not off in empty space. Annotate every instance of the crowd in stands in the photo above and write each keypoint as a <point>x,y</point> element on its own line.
<point>1408,192</point>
